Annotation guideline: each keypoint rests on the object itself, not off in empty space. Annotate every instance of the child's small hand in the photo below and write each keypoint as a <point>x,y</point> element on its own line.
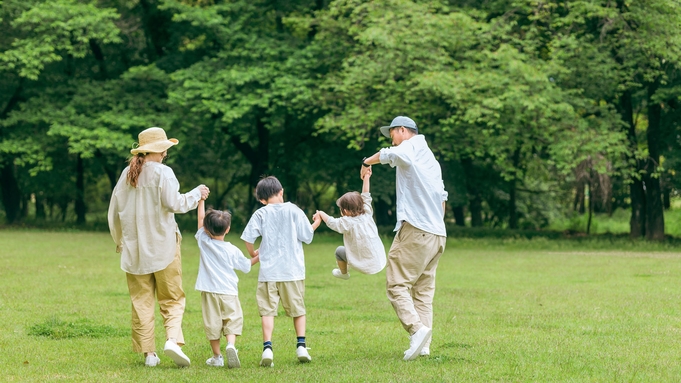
<point>256,253</point>
<point>367,173</point>
<point>316,215</point>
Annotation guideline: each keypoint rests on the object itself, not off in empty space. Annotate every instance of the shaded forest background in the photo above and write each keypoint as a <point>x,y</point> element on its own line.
<point>537,110</point>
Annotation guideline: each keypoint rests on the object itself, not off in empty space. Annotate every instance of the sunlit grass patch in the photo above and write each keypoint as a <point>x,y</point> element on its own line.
<point>56,328</point>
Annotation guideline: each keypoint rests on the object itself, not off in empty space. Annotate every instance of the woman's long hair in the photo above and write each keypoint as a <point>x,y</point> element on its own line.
<point>136,163</point>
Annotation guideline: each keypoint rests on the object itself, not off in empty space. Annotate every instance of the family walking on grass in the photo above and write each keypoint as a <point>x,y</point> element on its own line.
<point>142,224</point>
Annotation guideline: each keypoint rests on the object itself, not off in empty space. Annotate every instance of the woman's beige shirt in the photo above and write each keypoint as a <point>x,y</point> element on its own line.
<point>142,218</point>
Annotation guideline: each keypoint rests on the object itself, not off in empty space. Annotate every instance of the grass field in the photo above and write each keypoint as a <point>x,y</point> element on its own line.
<point>505,310</point>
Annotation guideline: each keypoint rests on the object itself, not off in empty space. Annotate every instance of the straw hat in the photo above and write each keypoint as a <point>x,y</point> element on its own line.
<point>153,140</point>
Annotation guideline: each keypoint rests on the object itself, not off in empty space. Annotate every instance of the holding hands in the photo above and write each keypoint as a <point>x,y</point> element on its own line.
<point>204,191</point>
<point>366,172</point>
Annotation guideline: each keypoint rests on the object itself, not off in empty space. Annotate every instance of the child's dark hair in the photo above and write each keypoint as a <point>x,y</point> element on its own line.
<point>216,222</point>
<point>267,187</point>
<point>351,204</point>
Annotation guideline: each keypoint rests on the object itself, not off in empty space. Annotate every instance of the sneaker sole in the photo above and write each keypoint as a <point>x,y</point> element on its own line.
<point>416,353</point>
<point>232,358</point>
<point>266,363</point>
<point>180,360</point>
<point>304,359</point>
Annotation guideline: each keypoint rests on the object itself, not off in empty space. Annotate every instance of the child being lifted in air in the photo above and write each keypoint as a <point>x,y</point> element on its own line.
<point>363,250</point>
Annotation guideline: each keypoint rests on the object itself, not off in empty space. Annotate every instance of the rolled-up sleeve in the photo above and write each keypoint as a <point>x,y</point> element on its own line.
<point>176,202</point>
<point>338,225</point>
<point>113,217</point>
<point>395,156</point>
<point>115,223</point>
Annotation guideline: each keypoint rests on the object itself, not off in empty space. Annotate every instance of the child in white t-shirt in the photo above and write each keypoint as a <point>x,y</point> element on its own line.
<point>283,228</point>
<point>363,250</point>
<point>217,282</point>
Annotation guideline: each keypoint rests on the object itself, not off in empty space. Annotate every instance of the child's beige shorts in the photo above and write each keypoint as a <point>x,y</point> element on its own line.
<point>222,315</point>
<point>292,295</point>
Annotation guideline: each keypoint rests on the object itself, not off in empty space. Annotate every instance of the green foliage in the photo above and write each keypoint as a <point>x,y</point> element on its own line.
<point>516,98</point>
<point>50,30</point>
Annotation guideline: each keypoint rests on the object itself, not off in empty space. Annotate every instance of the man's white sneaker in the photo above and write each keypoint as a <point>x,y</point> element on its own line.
<point>417,341</point>
<point>303,355</point>
<point>152,360</point>
<point>232,357</point>
<point>174,352</point>
<point>216,361</point>
<point>267,359</point>
<point>337,273</point>
<point>425,351</point>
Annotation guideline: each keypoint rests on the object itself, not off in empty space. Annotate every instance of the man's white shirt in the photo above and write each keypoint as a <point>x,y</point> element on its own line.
<point>420,189</point>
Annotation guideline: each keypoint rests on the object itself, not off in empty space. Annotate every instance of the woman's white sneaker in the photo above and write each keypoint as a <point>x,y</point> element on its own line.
<point>152,360</point>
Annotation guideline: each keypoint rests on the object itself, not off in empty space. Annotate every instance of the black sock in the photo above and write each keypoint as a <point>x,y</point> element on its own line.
<point>266,345</point>
<point>301,341</point>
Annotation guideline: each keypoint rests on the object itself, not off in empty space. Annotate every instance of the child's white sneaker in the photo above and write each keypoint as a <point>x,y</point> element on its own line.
<point>337,273</point>
<point>425,351</point>
<point>267,359</point>
<point>216,361</point>
<point>152,360</point>
<point>232,357</point>
<point>303,355</point>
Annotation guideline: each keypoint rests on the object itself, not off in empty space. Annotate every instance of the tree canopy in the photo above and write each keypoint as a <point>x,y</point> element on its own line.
<point>532,107</point>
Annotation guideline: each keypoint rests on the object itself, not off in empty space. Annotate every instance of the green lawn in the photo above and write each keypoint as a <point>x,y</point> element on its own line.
<point>506,310</point>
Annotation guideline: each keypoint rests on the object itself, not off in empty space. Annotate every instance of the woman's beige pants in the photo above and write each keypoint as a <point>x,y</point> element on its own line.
<point>167,286</point>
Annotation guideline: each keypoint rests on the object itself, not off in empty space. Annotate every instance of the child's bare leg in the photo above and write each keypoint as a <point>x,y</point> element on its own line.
<point>267,328</point>
<point>231,338</point>
<point>342,266</point>
<point>341,259</point>
<point>299,324</point>
<point>215,346</point>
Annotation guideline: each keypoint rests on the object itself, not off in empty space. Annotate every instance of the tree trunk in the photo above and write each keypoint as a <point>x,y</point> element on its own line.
<point>512,193</point>
<point>39,207</point>
<point>654,208</point>
<point>474,196</point>
<point>591,203</point>
<point>258,156</point>
<point>459,217</point>
<point>578,204</point>
<point>80,191</point>
<point>637,221</point>
<point>11,195</point>
<point>512,208</point>
<point>638,209</point>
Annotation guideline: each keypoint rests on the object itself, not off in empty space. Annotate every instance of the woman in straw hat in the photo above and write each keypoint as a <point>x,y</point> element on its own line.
<point>142,224</point>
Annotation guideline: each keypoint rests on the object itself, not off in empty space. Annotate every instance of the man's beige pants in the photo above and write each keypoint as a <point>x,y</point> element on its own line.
<point>410,275</point>
<point>167,286</point>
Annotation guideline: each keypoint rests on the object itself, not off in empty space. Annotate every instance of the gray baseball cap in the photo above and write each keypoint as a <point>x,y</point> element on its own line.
<point>399,121</point>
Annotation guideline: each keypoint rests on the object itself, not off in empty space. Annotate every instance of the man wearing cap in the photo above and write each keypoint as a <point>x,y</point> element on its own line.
<point>421,235</point>
<point>142,224</point>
